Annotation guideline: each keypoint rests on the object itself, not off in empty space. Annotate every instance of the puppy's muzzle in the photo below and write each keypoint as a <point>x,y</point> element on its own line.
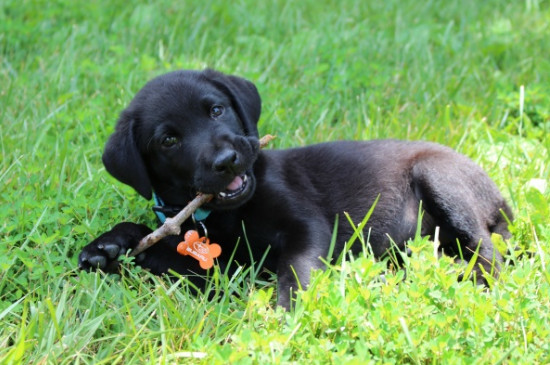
<point>227,161</point>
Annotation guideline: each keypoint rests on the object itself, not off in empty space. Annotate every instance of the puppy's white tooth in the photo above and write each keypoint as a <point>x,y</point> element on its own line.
<point>222,194</point>
<point>245,177</point>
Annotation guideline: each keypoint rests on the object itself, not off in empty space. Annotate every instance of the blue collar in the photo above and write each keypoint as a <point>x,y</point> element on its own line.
<point>162,209</point>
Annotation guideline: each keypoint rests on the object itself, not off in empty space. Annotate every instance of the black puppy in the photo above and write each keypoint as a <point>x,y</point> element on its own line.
<point>189,131</point>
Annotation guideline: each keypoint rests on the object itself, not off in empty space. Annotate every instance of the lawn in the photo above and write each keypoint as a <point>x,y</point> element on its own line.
<point>473,75</point>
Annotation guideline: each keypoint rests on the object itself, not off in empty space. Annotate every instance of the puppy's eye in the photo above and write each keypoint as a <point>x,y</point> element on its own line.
<point>169,141</point>
<point>216,111</point>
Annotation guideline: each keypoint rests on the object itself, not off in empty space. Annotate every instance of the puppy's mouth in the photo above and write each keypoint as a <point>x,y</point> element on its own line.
<point>235,194</point>
<point>235,189</point>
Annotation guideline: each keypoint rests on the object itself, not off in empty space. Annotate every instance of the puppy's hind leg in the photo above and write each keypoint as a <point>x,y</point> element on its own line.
<point>463,202</point>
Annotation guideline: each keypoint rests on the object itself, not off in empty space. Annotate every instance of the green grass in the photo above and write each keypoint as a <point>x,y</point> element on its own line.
<point>448,71</point>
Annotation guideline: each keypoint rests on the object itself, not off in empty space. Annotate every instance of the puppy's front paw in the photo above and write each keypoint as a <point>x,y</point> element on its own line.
<point>103,252</point>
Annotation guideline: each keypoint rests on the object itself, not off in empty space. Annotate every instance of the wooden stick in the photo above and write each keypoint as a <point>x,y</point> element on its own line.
<point>172,226</point>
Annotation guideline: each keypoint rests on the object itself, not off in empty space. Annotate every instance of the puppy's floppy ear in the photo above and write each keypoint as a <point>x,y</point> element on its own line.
<point>244,96</point>
<point>122,159</point>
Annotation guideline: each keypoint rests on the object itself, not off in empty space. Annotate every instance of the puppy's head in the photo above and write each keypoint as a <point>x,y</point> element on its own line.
<point>185,132</point>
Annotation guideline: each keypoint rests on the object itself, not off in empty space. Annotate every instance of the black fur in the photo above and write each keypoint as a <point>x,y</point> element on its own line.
<point>173,140</point>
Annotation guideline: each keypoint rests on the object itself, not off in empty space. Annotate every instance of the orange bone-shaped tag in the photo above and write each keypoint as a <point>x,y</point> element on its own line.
<point>199,248</point>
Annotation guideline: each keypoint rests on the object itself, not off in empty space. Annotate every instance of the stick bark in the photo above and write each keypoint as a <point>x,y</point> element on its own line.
<point>172,226</point>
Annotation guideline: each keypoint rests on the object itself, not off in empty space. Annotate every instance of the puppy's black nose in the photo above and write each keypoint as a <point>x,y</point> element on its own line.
<point>225,161</point>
